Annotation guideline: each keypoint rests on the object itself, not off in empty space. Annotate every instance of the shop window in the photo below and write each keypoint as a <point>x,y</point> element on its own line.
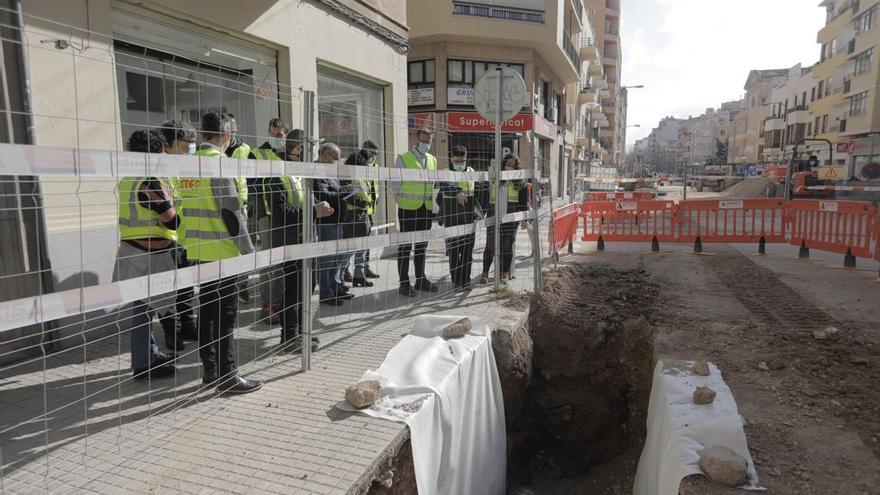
<point>351,110</point>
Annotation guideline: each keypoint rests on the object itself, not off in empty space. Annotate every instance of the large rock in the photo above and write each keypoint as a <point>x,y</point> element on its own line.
<point>704,395</point>
<point>724,466</point>
<point>701,368</point>
<point>458,329</point>
<point>363,394</point>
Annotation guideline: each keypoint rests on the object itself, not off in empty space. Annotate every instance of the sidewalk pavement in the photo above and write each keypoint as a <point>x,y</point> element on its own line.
<point>106,433</point>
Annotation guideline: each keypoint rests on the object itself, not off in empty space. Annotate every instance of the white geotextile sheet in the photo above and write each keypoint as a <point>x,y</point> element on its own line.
<point>678,429</point>
<point>449,394</point>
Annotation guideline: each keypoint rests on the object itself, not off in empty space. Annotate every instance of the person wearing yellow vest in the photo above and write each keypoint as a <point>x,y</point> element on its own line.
<point>181,138</point>
<point>415,203</point>
<point>285,198</point>
<point>215,227</point>
<point>148,225</point>
<point>361,216</point>
<point>458,207</point>
<point>515,199</point>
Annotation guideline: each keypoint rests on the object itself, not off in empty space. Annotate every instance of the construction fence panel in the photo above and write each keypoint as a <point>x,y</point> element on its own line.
<point>731,221</point>
<point>563,227</point>
<point>834,226</point>
<point>631,221</point>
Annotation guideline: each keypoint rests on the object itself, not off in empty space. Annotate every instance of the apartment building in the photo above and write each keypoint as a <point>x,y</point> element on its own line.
<point>452,43</point>
<point>747,143</point>
<point>847,78</point>
<point>661,152</point>
<point>702,138</point>
<point>605,16</point>
<point>790,120</point>
<point>99,69</point>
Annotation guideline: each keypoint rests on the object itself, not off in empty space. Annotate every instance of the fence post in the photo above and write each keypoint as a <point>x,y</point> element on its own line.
<point>306,289</point>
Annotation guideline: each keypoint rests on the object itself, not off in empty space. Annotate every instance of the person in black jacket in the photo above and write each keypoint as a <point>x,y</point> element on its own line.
<point>285,201</point>
<point>458,207</point>
<point>512,200</point>
<point>333,290</point>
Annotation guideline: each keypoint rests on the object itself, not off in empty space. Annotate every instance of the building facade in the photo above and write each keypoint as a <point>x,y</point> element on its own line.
<point>704,139</point>
<point>661,152</point>
<point>790,120</point>
<point>452,43</point>
<point>100,69</point>
<point>747,142</point>
<point>605,17</point>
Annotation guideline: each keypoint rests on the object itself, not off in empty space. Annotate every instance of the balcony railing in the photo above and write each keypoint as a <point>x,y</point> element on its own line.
<point>612,30</point>
<point>571,51</point>
<point>578,8</point>
<point>585,41</point>
<point>496,12</point>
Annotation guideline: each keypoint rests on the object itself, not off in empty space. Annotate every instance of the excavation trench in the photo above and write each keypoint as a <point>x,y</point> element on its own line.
<point>576,382</point>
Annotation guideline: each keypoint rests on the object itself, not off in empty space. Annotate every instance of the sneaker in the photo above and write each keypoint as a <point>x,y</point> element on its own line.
<point>238,385</point>
<point>425,285</point>
<point>407,290</point>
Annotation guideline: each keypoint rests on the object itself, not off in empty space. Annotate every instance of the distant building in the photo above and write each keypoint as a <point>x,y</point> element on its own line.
<point>747,143</point>
<point>789,120</point>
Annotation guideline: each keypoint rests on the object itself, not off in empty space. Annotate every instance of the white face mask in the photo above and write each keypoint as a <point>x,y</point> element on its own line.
<point>191,149</point>
<point>424,147</point>
<point>459,166</point>
<point>276,143</point>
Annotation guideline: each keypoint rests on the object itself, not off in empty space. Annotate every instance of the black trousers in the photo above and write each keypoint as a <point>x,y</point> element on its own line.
<point>292,315</point>
<point>508,237</point>
<point>461,257</point>
<point>218,309</point>
<point>412,221</point>
<point>180,322</point>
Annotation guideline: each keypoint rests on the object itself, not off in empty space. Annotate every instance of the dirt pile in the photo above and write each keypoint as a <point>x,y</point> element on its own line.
<point>593,359</point>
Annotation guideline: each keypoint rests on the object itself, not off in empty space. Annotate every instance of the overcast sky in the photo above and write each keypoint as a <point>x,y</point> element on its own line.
<point>695,54</point>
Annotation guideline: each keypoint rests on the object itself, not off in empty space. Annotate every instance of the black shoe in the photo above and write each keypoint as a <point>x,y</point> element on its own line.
<point>238,385</point>
<point>347,276</point>
<point>209,376</point>
<point>407,290</point>
<point>425,285</point>
<point>344,288</point>
<point>333,301</point>
<point>361,282</point>
<point>164,357</point>
<point>159,370</point>
<point>344,295</point>
<point>370,274</point>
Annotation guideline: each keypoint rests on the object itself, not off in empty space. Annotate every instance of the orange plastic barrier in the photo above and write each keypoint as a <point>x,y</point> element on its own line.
<point>628,220</point>
<point>620,196</point>
<point>731,220</point>
<point>835,226</point>
<point>877,236</point>
<point>564,227</point>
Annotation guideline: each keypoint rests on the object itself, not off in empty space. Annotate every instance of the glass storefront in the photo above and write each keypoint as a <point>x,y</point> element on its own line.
<point>351,110</point>
<point>169,71</point>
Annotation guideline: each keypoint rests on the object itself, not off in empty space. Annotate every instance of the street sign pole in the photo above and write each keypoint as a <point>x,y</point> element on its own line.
<point>497,185</point>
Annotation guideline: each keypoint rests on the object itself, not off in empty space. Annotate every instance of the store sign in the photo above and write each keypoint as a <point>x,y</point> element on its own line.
<point>460,96</point>
<point>420,96</point>
<point>473,122</point>
<point>420,121</point>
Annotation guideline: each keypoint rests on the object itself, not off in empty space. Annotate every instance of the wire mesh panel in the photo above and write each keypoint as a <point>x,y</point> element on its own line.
<point>187,242</point>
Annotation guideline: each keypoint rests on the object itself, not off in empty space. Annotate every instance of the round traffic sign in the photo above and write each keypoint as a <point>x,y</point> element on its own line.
<point>514,95</point>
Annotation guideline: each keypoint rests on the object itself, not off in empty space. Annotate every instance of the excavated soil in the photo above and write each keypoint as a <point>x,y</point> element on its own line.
<point>593,360</point>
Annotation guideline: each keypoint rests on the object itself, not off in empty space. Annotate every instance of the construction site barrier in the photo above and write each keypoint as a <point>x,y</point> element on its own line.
<point>628,221</point>
<point>845,227</point>
<point>563,227</point>
<point>620,196</point>
<point>851,228</point>
<point>730,221</point>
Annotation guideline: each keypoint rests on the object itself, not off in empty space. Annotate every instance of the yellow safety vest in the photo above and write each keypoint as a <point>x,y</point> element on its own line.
<point>512,193</point>
<point>242,151</point>
<point>362,190</point>
<point>137,222</point>
<point>414,195</point>
<point>292,185</point>
<point>466,186</point>
<point>203,232</point>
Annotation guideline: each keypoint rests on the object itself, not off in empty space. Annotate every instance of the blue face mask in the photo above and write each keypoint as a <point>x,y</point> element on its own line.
<point>424,147</point>
<point>276,143</point>
<point>191,149</point>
